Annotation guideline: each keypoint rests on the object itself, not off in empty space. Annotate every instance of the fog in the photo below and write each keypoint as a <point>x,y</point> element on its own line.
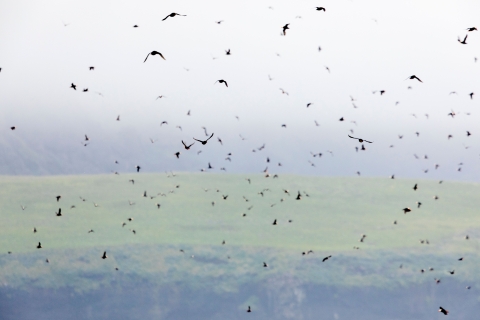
<point>367,46</point>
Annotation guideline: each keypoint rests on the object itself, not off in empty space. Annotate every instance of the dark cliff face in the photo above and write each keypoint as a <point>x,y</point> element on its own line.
<point>280,298</point>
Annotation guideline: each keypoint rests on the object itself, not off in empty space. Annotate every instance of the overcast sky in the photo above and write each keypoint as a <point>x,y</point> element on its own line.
<point>367,45</point>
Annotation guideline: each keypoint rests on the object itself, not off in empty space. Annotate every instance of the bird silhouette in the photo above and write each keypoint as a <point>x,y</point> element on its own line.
<point>173,14</point>
<point>39,246</point>
<point>222,81</point>
<point>464,41</point>
<point>285,28</point>
<point>471,29</point>
<point>104,255</point>
<point>154,53</point>
<point>204,142</point>
<point>326,258</point>
<point>442,310</point>
<point>59,213</point>
<point>406,210</point>
<point>415,77</point>
<point>187,147</point>
<point>360,140</point>
<point>321,9</point>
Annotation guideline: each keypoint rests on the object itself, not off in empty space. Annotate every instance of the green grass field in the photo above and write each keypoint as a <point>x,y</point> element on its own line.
<point>330,220</point>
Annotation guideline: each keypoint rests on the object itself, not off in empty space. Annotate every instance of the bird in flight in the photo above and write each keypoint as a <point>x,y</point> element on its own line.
<point>442,310</point>
<point>153,53</point>
<point>173,14</point>
<point>472,29</point>
<point>321,9</point>
<point>464,41</point>
<point>187,147</point>
<point>222,81</point>
<point>104,255</point>
<point>360,140</point>
<point>204,142</point>
<point>414,77</point>
<point>285,28</point>
<point>326,258</point>
<point>73,86</point>
<point>227,52</point>
<point>39,246</point>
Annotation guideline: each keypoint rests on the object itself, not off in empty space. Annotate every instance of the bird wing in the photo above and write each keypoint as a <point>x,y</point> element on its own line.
<point>161,55</point>
<point>184,144</point>
<point>209,137</point>
<point>146,58</point>
<point>165,18</point>
<point>466,36</point>
<point>368,141</point>
<point>352,137</point>
<point>225,83</point>
<point>197,140</point>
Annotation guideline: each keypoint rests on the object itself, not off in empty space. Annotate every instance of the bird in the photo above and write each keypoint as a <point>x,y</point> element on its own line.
<point>154,53</point>
<point>471,29</point>
<point>415,77</point>
<point>58,198</point>
<point>471,95</point>
<point>285,28</point>
<point>452,272</point>
<point>59,213</point>
<point>204,142</point>
<point>415,187</point>
<point>405,210</point>
<point>138,168</point>
<point>12,128</point>
<point>173,14</point>
<point>227,52</point>
<point>222,81</point>
<point>464,41</point>
<point>187,147</point>
<point>34,230</point>
<point>274,222</point>
<point>39,246</point>
<point>326,258</point>
<point>360,140</point>
<point>321,9</point>
<point>299,196</point>
<point>104,255</point>
<point>265,265</point>
<point>442,310</point>
<point>219,22</point>
<point>249,309</point>
<point>177,154</point>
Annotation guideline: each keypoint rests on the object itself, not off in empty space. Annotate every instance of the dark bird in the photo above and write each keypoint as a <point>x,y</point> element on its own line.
<point>360,140</point>
<point>92,68</point>
<point>154,53</point>
<point>265,265</point>
<point>415,187</point>
<point>58,198</point>
<point>464,41</point>
<point>73,86</point>
<point>227,52</point>
<point>205,141</point>
<point>173,14</point>
<point>34,230</point>
<point>118,118</point>
<point>452,272</point>
<point>471,95</point>
<point>444,311</point>
<point>326,258</point>
<point>138,168</point>
<point>415,77</point>
<point>222,81</point>
<point>321,9</point>
<point>39,246</point>
<point>299,196</point>
<point>285,28</point>
<point>12,128</point>
<point>135,26</point>
<point>104,255</point>
<point>309,104</point>
<point>59,213</point>
<point>472,29</point>
<point>249,309</point>
<point>177,154</point>
<point>468,134</point>
<point>405,210</point>
<point>219,22</point>
<point>274,222</point>
<point>187,147</point>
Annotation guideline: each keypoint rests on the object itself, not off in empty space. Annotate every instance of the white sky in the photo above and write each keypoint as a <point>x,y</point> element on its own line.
<point>40,57</point>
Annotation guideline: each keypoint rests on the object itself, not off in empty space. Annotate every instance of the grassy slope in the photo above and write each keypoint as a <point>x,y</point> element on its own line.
<point>329,221</point>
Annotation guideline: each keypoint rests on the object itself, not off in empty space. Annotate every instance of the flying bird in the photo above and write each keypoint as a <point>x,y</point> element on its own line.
<point>415,77</point>
<point>472,29</point>
<point>321,9</point>
<point>205,141</point>
<point>173,14</point>
<point>154,53</point>
<point>104,255</point>
<point>442,310</point>
<point>187,147</point>
<point>360,140</point>
<point>222,81</point>
<point>464,41</point>
<point>285,28</point>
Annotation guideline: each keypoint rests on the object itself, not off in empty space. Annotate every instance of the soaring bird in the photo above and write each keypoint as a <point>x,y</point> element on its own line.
<point>205,141</point>
<point>326,258</point>
<point>464,41</point>
<point>154,53</point>
<point>173,14</point>
<point>227,52</point>
<point>321,9</point>
<point>415,77</point>
<point>222,81</point>
<point>405,210</point>
<point>285,28</point>
<point>187,147</point>
<point>73,86</point>
<point>360,140</point>
<point>472,29</point>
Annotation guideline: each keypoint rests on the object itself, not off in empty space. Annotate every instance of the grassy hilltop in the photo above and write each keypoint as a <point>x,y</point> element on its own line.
<point>330,220</point>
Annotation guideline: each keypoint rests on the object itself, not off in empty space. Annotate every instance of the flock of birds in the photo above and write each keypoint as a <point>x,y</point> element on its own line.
<point>187,146</point>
